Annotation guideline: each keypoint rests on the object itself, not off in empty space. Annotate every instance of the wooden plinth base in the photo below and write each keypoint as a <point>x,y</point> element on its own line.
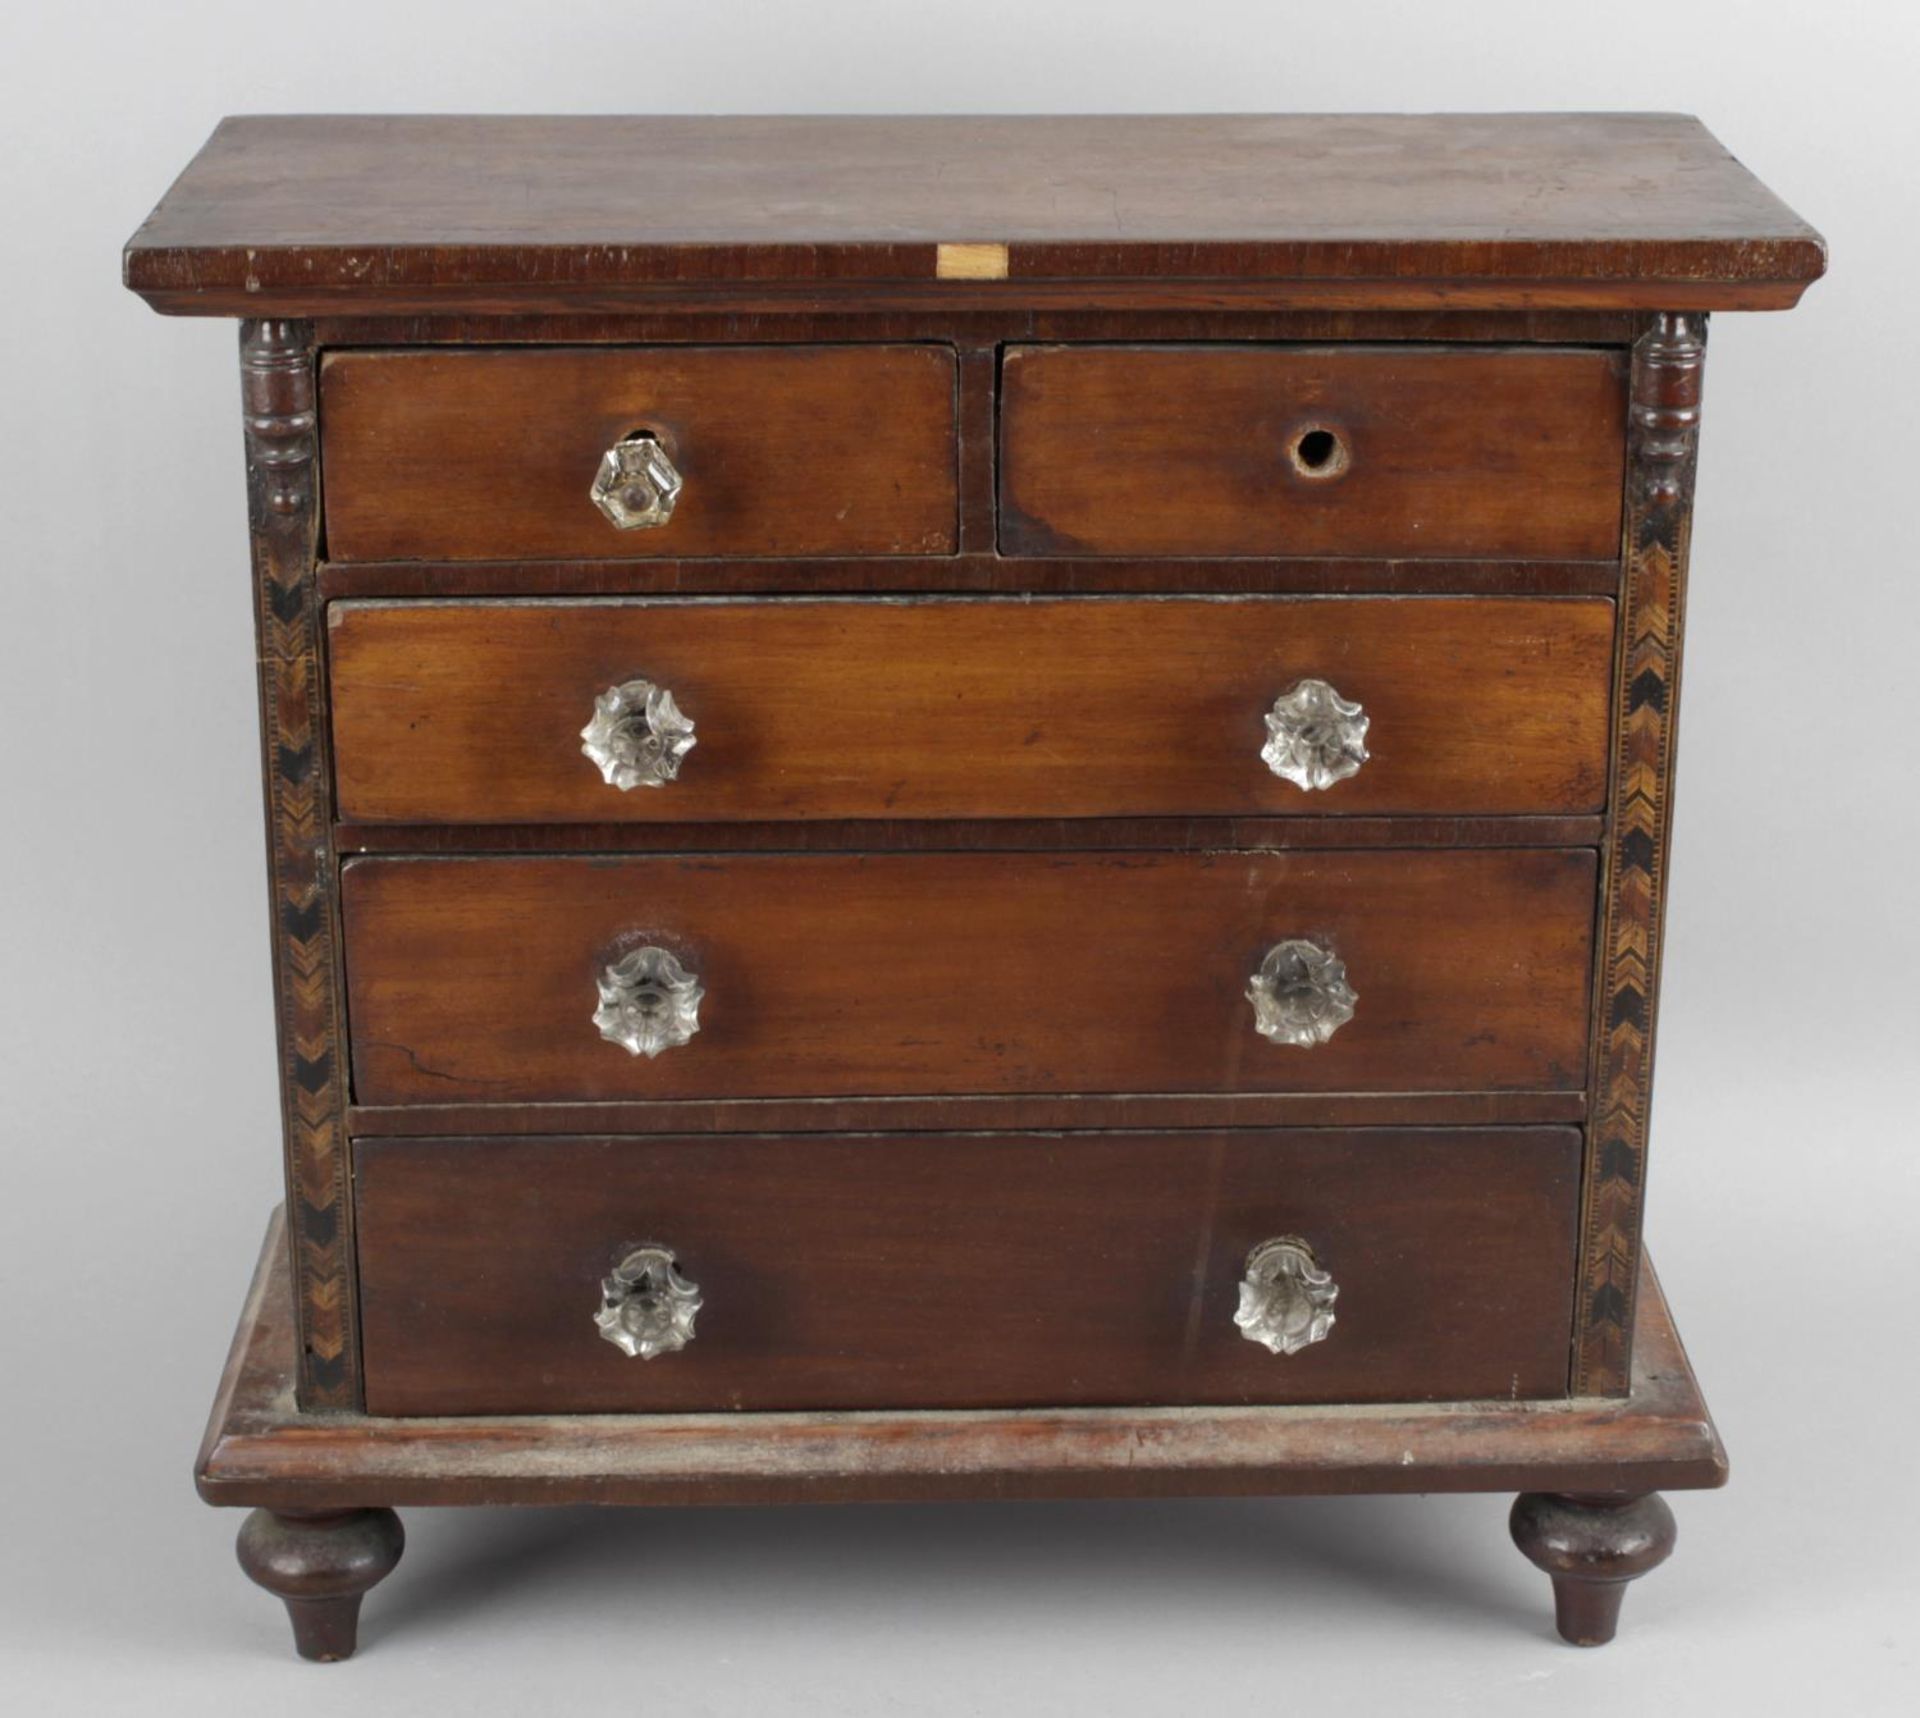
<point>328,1484</point>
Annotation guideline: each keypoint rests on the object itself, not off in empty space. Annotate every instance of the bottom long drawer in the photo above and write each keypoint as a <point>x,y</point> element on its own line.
<point>509,1275</point>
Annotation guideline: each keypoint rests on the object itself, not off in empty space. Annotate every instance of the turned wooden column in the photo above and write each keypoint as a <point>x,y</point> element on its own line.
<point>321,1566</point>
<point>1592,1547</point>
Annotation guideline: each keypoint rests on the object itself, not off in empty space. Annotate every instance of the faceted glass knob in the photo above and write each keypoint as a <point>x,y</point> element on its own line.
<point>647,1307</point>
<point>1300,995</point>
<point>637,484</point>
<point>637,736</point>
<point>1286,1299</point>
<point>1314,736</point>
<point>649,1002</point>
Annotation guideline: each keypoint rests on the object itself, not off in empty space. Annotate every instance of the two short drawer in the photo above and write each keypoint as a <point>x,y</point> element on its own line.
<point>956,1271</point>
<point>844,451</point>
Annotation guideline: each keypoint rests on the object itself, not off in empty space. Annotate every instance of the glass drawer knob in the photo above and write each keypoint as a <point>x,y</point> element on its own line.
<point>637,737</point>
<point>1314,736</point>
<point>1286,1299</point>
<point>1300,995</point>
<point>637,484</point>
<point>647,1307</point>
<point>649,1002</point>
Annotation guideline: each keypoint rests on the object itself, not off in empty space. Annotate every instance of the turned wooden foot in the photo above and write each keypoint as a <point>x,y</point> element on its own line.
<point>321,1566</point>
<point>1592,1547</point>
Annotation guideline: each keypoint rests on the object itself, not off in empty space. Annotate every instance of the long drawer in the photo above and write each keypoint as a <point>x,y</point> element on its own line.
<point>964,1271</point>
<point>1286,450</point>
<point>497,454</point>
<point>475,712</point>
<point>494,979</point>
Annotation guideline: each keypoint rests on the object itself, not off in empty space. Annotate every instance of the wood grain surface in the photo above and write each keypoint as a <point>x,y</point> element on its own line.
<point>975,835</point>
<point>981,327</point>
<point>471,712</point>
<point>1190,450</point>
<point>876,975</point>
<point>489,454</point>
<point>1016,1113</point>
<point>286,214</point>
<point>970,574</point>
<point>962,1271</point>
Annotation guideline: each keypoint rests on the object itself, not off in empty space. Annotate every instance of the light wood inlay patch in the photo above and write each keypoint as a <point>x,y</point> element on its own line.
<point>970,262</point>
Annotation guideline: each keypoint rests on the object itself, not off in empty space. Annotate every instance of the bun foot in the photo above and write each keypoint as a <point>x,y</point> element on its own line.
<point>1592,1547</point>
<point>321,1566</point>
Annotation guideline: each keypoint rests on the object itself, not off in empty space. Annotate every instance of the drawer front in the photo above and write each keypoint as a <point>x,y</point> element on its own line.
<point>492,455</point>
<point>964,1271</point>
<point>473,712</point>
<point>901,974</point>
<point>1250,450</point>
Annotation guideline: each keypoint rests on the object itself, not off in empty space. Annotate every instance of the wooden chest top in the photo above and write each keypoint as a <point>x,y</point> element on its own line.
<point>297,216</point>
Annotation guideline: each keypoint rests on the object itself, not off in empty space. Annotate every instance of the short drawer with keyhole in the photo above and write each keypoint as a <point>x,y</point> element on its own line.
<point>1244,449</point>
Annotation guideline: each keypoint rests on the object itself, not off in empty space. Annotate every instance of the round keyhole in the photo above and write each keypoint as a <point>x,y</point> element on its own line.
<point>1318,453</point>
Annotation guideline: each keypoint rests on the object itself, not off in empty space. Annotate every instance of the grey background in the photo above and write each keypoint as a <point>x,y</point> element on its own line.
<point>135,1041</point>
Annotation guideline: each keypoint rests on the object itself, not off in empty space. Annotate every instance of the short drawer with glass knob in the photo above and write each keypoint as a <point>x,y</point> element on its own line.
<point>1012,859</point>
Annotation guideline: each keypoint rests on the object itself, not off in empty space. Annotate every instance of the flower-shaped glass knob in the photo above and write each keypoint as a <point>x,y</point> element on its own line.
<point>1300,995</point>
<point>646,1306</point>
<point>649,1002</point>
<point>637,736</point>
<point>637,484</point>
<point>1314,736</point>
<point>1286,1299</point>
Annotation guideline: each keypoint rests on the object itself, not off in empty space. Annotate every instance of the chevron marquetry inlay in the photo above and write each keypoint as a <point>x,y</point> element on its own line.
<point>1665,419</point>
<point>276,368</point>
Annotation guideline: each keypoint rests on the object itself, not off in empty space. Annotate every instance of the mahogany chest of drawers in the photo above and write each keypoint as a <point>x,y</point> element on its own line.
<point>964,807</point>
